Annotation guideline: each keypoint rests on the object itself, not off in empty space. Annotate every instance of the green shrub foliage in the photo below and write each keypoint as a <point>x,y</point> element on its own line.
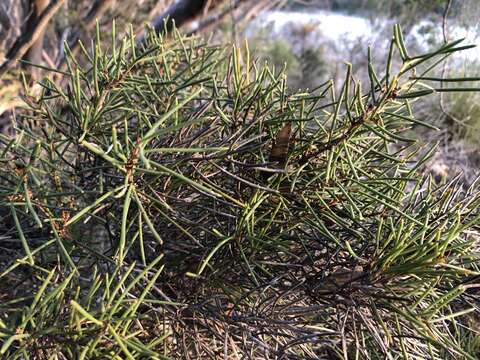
<point>175,200</point>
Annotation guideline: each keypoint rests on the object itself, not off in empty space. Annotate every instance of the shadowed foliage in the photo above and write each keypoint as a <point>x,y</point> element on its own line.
<point>176,200</point>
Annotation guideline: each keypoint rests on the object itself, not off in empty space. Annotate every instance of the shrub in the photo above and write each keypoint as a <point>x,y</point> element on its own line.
<point>175,200</point>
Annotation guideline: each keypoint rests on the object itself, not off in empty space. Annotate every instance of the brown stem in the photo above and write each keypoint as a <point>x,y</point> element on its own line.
<point>334,142</point>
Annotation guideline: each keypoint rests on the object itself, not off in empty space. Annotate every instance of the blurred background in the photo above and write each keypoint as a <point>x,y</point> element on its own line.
<point>311,40</point>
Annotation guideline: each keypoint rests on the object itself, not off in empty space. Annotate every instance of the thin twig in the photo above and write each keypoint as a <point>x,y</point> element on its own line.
<point>443,108</point>
<point>444,21</point>
<point>89,21</point>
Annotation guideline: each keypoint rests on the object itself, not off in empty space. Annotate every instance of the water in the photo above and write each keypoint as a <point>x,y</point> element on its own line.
<point>333,26</point>
<point>345,30</point>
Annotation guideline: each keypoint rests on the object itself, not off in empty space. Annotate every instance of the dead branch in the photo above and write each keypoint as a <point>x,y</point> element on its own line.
<point>179,13</point>
<point>214,19</point>
<point>25,41</point>
<point>248,10</point>
<point>96,12</point>
<point>34,53</point>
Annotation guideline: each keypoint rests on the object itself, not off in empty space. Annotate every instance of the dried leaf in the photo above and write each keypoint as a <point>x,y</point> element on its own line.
<point>281,146</point>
